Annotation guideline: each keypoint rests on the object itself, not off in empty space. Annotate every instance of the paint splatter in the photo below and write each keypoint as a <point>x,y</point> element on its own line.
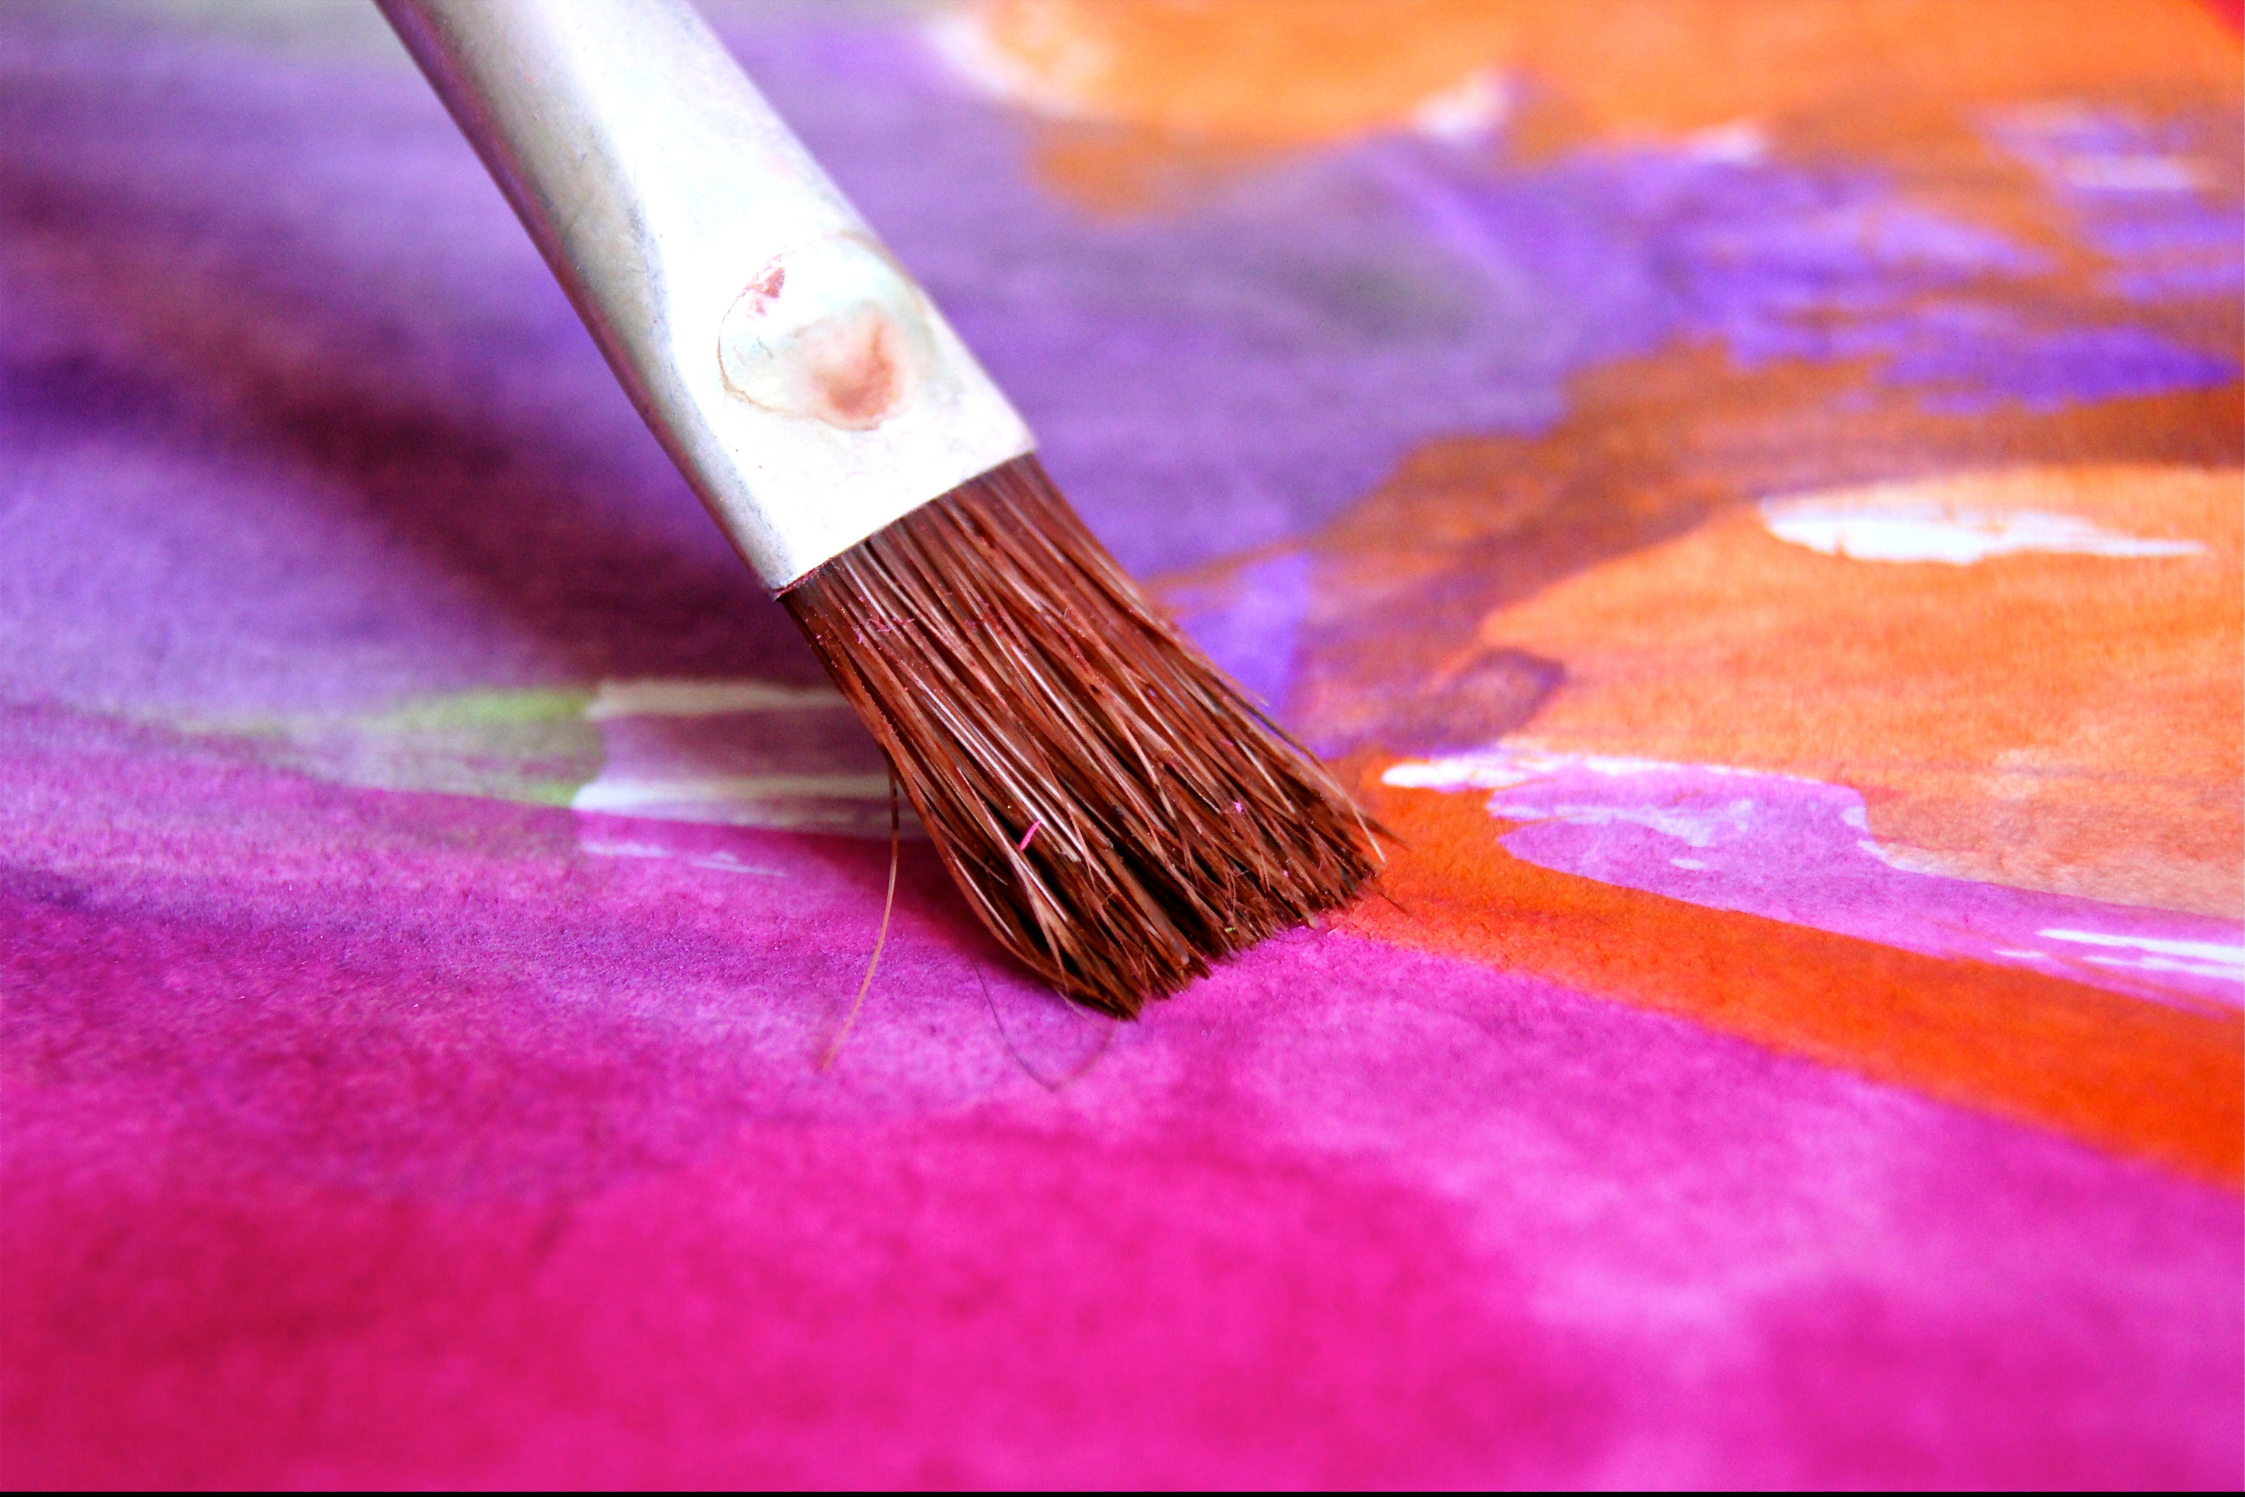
<point>1897,523</point>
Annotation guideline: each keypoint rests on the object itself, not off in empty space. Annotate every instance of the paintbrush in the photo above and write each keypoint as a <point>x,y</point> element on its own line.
<point>1117,811</point>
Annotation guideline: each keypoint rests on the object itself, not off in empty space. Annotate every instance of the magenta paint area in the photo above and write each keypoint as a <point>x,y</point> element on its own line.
<point>362,1137</point>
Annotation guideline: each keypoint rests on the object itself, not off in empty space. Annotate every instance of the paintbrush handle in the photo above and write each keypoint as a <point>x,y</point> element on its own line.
<point>804,384</point>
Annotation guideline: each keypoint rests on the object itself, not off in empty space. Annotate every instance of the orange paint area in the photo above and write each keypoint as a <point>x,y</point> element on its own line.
<point>1419,588</point>
<point>2063,722</point>
<point>1296,71</point>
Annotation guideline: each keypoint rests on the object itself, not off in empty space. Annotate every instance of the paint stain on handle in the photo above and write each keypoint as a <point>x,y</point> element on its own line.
<point>831,331</point>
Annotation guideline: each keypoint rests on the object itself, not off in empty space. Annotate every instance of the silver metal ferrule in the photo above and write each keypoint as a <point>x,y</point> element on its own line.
<point>802,381</point>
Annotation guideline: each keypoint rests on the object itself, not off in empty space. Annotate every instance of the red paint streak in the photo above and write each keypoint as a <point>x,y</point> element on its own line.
<point>766,288</point>
<point>2129,1075</point>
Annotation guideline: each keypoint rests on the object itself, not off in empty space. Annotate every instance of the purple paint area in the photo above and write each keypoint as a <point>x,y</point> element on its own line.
<point>366,1138</point>
<point>293,415</point>
<point>1789,260</point>
<point>1251,622</point>
<point>1799,851</point>
<point>2043,370</point>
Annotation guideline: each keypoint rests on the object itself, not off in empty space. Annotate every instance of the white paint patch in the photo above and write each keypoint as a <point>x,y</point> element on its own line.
<point>1503,768</point>
<point>719,862</point>
<point>1883,525</point>
<point>705,698</point>
<point>1695,826</point>
<point>1068,68</point>
<point>624,850</point>
<point>629,797</point>
<point>1460,772</point>
<point>2131,173</point>
<point>1466,111</point>
<point>725,862</point>
<point>1739,143</point>
<point>1052,68</point>
<point>735,753</point>
<point>2198,958</point>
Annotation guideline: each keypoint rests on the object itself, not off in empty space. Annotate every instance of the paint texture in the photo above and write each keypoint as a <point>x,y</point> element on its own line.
<point>1764,533</point>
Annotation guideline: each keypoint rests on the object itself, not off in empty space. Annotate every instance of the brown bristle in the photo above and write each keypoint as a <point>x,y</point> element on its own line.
<point>1117,811</point>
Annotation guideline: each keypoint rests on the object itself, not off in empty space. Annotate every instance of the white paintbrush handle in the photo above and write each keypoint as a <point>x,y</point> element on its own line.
<point>802,381</point>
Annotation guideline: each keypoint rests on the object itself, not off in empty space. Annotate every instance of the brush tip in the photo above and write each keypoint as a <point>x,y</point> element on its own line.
<point>1115,808</point>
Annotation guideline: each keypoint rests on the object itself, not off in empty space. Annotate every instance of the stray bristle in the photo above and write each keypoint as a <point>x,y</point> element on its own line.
<point>1117,811</point>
